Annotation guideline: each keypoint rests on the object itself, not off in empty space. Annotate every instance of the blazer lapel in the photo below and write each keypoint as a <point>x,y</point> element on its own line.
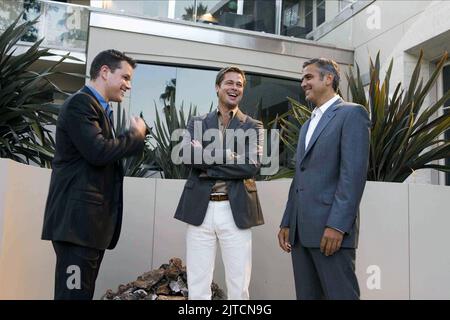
<point>238,119</point>
<point>109,125</point>
<point>235,123</point>
<point>212,121</point>
<point>327,116</point>
<point>301,140</point>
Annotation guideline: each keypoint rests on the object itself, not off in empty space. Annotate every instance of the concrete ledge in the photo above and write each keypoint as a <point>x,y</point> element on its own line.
<point>401,253</point>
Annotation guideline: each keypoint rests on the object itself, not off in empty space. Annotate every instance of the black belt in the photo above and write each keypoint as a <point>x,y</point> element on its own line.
<point>218,197</point>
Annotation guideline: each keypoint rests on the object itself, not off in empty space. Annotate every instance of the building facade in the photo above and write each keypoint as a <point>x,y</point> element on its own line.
<point>180,45</point>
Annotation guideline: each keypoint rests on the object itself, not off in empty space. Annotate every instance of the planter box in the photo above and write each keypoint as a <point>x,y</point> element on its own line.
<point>401,254</point>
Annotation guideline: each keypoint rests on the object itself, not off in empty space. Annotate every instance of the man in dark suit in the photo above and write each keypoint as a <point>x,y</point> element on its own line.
<point>321,220</point>
<point>220,200</point>
<point>83,214</point>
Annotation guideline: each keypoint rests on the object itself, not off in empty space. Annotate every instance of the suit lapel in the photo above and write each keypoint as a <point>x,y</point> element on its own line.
<point>301,140</point>
<point>237,120</point>
<point>212,121</point>
<point>109,125</point>
<point>326,118</point>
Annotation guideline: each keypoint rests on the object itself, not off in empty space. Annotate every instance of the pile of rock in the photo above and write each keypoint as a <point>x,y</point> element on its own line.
<point>166,283</point>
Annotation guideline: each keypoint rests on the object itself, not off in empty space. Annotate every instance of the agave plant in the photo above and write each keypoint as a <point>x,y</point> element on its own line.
<point>406,135</point>
<point>26,108</point>
<point>139,165</point>
<point>163,144</point>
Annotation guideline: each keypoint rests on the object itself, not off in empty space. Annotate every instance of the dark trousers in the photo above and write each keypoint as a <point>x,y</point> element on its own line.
<point>76,271</point>
<point>320,277</point>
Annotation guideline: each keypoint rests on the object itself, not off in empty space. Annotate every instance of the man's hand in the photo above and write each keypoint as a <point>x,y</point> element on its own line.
<point>283,239</point>
<point>138,125</point>
<point>196,144</point>
<point>331,241</point>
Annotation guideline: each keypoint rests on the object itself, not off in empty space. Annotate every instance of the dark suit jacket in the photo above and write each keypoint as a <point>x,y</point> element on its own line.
<point>329,176</point>
<point>84,204</point>
<point>239,178</point>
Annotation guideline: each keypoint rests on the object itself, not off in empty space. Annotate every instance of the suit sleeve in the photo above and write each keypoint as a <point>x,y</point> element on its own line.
<point>291,205</point>
<point>242,165</point>
<point>82,123</point>
<point>230,165</point>
<point>354,144</point>
<point>192,156</point>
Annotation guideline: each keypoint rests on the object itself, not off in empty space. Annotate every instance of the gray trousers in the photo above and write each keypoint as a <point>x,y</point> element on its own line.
<point>320,277</point>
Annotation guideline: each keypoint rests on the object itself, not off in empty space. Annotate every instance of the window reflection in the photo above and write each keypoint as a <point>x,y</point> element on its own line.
<point>265,97</point>
<point>297,18</point>
<point>161,86</point>
<point>179,9</point>
<point>253,15</point>
<point>149,85</point>
<point>320,12</point>
<point>196,88</point>
<point>154,8</point>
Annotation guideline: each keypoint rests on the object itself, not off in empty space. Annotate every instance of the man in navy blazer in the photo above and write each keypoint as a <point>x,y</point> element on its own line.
<point>83,214</point>
<point>321,221</point>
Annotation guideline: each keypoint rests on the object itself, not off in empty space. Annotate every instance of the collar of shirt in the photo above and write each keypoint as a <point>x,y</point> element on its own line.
<point>321,110</point>
<point>100,99</point>
<point>232,113</point>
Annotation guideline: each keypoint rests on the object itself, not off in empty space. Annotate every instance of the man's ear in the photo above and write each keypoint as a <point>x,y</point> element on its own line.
<point>104,71</point>
<point>329,79</point>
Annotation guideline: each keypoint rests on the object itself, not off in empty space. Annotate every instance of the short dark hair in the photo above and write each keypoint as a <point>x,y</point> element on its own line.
<point>223,71</point>
<point>326,66</point>
<point>111,58</point>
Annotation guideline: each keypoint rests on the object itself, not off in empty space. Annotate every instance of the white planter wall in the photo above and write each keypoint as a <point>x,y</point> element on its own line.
<point>402,238</point>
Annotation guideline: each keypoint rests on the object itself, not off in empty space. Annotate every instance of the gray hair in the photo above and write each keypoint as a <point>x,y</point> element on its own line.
<point>326,66</point>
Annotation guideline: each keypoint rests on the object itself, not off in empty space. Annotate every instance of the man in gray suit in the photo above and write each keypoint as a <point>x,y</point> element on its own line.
<point>321,221</point>
<point>220,201</point>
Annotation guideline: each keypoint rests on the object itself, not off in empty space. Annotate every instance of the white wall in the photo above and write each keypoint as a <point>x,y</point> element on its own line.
<point>403,234</point>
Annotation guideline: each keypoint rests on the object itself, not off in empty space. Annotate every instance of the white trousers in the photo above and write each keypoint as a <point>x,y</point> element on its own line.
<point>201,247</point>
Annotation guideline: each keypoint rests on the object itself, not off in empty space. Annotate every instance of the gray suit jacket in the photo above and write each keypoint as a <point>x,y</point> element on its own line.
<point>329,176</point>
<point>239,177</point>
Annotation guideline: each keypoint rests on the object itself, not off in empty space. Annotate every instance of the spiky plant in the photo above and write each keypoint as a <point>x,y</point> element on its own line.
<point>26,99</point>
<point>406,135</point>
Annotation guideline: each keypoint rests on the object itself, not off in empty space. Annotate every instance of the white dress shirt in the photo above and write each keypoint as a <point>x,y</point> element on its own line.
<point>315,118</point>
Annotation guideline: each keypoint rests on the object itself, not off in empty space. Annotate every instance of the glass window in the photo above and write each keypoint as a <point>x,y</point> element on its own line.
<point>154,8</point>
<point>265,97</point>
<point>253,15</point>
<point>196,88</point>
<point>156,85</point>
<point>152,86</point>
<point>320,12</point>
<point>160,86</point>
<point>64,26</point>
<point>60,25</point>
<point>184,10</point>
<point>9,11</point>
<point>179,9</point>
<point>297,18</point>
